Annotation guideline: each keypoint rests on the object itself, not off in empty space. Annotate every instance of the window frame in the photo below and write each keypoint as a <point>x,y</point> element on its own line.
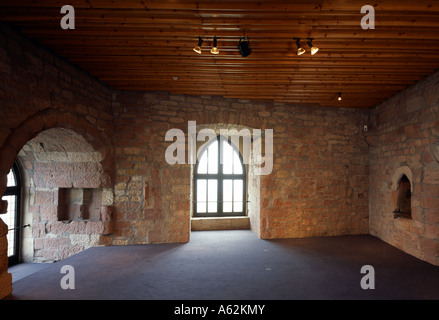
<point>15,191</point>
<point>220,177</point>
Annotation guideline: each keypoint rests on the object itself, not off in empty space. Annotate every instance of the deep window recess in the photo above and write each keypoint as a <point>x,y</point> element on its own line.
<point>220,188</point>
<point>12,217</point>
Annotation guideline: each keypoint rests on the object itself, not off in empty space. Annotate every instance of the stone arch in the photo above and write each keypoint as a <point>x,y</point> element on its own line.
<point>240,130</point>
<point>398,174</point>
<point>48,119</point>
<point>30,128</point>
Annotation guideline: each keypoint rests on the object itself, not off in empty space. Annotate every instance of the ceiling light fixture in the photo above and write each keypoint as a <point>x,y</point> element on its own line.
<point>197,49</point>
<point>339,96</point>
<point>244,47</point>
<point>214,48</point>
<point>300,50</point>
<point>313,49</point>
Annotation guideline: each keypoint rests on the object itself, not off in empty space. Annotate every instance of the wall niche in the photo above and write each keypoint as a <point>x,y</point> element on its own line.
<point>79,203</point>
<point>402,188</point>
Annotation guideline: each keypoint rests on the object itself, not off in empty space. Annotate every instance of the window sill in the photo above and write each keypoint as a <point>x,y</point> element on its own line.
<point>220,223</point>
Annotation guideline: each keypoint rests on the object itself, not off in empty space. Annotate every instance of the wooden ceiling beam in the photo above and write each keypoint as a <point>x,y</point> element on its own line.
<point>222,35</point>
<point>144,44</point>
<point>114,19</point>
<point>240,6</point>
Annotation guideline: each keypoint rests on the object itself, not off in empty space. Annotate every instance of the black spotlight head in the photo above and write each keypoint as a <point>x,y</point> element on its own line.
<point>244,47</point>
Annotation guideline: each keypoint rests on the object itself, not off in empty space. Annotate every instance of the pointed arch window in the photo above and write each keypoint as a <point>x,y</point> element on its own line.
<point>12,216</point>
<point>220,181</point>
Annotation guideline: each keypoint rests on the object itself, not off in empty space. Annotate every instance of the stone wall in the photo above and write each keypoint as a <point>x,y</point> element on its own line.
<point>318,186</point>
<point>66,196</point>
<point>404,139</point>
<point>39,91</point>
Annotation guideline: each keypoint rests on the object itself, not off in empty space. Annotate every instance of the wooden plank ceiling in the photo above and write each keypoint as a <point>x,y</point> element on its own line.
<point>147,45</point>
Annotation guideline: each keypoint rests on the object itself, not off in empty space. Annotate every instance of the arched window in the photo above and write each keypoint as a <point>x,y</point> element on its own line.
<point>220,181</point>
<point>12,217</point>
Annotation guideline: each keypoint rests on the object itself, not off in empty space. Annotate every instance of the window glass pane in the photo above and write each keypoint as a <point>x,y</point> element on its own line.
<point>11,179</point>
<point>237,167</point>
<point>237,190</point>
<point>212,195</point>
<point>202,164</point>
<point>227,157</point>
<point>237,195</point>
<point>9,219</point>
<point>212,162</point>
<point>227,196</point>
<point>201,207</point>
<point>201,195</point>
<point>237,206</point>
<point>228,206</point>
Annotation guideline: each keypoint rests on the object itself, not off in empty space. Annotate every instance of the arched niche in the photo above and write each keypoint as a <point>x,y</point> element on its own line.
<point>402,189</point>
<point>397,175</point>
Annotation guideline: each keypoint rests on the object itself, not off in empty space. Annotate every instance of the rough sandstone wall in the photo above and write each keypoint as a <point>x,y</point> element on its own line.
<point>65,195</point>
<point>39,91</point>
<point>319,184</point>
<point>404,138</point>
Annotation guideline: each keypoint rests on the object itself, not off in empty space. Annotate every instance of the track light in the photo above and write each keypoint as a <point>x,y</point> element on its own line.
<point>197,49</point>
<point>244,47</point>
<point>300,50</point>
<point>313,49</point>
<point>339,96</point>
<point>214,48</point>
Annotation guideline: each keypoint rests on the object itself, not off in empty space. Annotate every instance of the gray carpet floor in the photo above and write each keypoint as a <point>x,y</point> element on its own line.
<point>23,270</point>
<point>237,265</point>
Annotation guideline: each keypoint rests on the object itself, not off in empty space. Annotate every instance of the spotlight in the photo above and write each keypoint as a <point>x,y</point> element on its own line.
<point>300,50</point>
<point>214,48</point>
<point>197,49</point>
<point>339,96</point>
<point>313,49</point>
<point>244,47</point>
